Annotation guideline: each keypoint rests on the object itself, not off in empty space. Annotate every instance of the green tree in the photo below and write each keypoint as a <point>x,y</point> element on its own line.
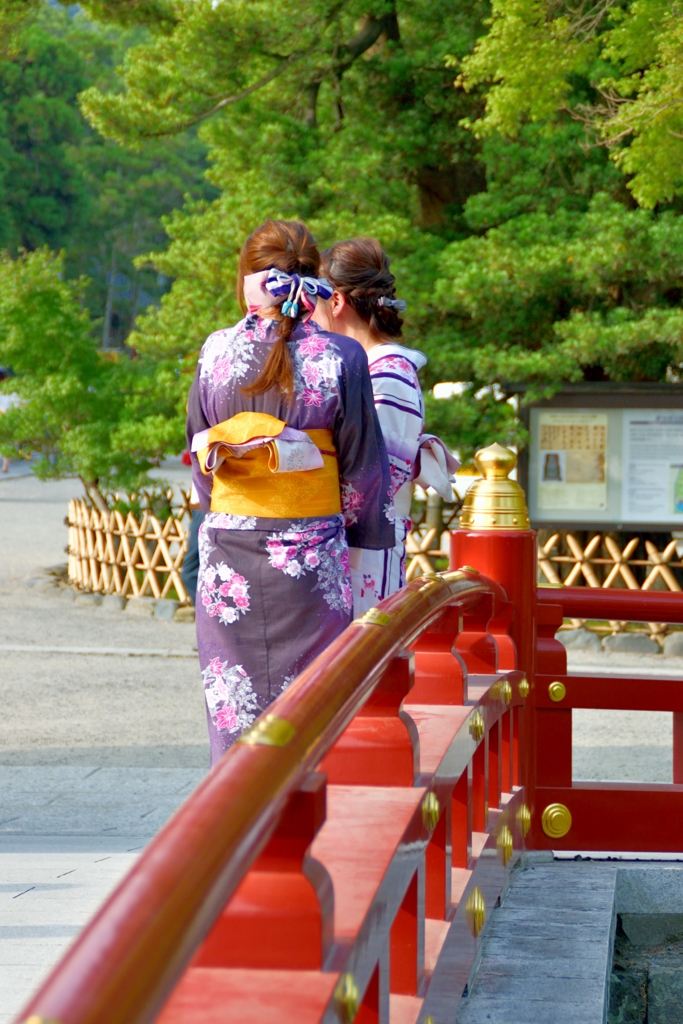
<point>77,407</point>
<point>520,249</point>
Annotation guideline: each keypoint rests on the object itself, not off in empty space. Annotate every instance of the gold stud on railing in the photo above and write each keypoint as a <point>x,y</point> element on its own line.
<point>269,731</point>
<point>524,819</point>
<point>347,998</point>
<point>495,502</point>
<point>556,821</point>
<point>431,809</point>
<point>505,845</point>
<point>523,688</point>
<point>505,692</point>
<point>475,911</point>
<point>476,725</point>
<point>373,617</point>
<point>557,691</point>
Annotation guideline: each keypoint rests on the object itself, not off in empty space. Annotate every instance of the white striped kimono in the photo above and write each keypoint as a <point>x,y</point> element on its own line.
<point>400,409</point>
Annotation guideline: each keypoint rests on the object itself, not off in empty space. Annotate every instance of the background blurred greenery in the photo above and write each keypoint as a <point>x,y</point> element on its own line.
<point>518,159</point>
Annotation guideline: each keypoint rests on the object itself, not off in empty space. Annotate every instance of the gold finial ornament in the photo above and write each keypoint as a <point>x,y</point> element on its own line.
<point>524,819</point>
<point>505,845</point>
<point>347,998</point>
<point>477,726</point>
<point>523,687</point>
<point>557,691</point>
<point>475,911</point>
<point>431,809</point>
<point>556,821</point>
<point>495,502</point>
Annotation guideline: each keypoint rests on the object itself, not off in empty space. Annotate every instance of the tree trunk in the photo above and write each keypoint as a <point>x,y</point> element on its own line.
<point>106,327</point>
<point>94,493</point>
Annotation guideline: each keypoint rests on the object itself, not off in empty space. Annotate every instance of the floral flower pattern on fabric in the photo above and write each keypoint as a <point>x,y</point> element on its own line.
<point>228,353</point>
<point>229,696</point>
<point>228,521</point>
<point>302,549</point>
<point>317,368</point>
<point>223,592</point>
<point>351,501</point>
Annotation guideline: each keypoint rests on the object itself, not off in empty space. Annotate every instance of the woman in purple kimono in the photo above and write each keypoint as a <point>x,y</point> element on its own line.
<point>290,466</point>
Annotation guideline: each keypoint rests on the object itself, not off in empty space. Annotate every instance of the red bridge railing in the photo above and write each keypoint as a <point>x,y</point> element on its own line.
<point>341,860</point>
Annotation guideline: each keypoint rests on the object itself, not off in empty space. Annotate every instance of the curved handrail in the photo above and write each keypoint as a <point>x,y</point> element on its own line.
<point>621,605</point>
<point>126,961</point>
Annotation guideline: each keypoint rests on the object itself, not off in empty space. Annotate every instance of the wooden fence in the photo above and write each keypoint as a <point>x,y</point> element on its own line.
<point>127,554</point>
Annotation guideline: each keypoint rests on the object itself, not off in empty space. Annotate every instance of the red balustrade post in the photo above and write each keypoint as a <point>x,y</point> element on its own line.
<point>281,915</point>
<point>494,539</point>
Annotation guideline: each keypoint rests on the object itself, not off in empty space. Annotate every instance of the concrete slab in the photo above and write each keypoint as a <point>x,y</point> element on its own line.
<point>49,888</point>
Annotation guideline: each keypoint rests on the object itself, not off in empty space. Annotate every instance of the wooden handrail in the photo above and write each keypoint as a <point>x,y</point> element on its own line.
<point>126,961</point>
<point>620,605</point>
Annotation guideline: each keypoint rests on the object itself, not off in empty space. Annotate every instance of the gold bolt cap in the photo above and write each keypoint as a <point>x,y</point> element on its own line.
<point>505,845</point>
<point>557,691</point>
<point>556,821</point>
<point>523,688</point>
<point>347,998</point>
<point>431,809</point>
<point>475,911</point>
<point>476,725</point>
<point>524,819</point>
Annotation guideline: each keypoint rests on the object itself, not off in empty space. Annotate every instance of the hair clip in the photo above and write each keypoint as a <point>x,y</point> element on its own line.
<point>398,304</point>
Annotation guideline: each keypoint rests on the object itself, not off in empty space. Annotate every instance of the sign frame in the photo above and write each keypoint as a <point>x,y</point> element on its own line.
<point>591,397</point>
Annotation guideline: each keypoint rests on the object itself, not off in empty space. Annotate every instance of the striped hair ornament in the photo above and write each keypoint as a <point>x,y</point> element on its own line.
<point>399,305</point>
<point>271,287</point>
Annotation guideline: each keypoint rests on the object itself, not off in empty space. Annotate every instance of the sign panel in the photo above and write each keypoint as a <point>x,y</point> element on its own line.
<point>652,489</point>
<point>618,465</point>
<point>573,461</point>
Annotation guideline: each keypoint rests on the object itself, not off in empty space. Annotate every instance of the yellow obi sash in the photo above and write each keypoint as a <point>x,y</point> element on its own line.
<point>252,458</point>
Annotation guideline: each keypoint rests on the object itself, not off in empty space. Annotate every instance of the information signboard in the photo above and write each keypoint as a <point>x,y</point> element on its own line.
<point>601,456</point>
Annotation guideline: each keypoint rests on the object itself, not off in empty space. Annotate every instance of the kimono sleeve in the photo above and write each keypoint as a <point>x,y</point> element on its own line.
<point>363,464</point>
<point>197,421</point>
<point>400,410</point>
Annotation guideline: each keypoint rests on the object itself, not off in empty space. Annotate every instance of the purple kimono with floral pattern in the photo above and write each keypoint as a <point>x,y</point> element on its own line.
<point>273,593</point>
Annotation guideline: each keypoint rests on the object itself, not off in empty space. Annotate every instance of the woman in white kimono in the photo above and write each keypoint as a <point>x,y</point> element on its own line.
<point>364,306</point>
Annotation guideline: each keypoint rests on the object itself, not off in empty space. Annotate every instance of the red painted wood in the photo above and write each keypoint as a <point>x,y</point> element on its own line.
<point>437,870</point>
<point>436,725</point>
<point>627,605</point>
<point>554,747</point>
<point>368,1011</point>
<point>364,828</point>
<point>216,996</point>
<point>124,964</point>
<point>551,655</point>
<point>404,969</point>
<point>614,816</point>
<point>509,556</point>
<point>678,746</point>
<point>439,674</point>
<point>475,644</point>
<point>461,822</point>
<point>516,714</point>
<point>282,913</point>
<point>379,746</point>
<point>613,693</point>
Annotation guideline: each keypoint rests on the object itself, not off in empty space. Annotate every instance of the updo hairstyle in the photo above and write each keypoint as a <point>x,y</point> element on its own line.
<point>359,269</point>
<point>289,246</point>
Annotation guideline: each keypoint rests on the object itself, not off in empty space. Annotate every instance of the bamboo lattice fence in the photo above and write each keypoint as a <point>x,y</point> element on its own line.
<point>140,555</point>
<point>131,555</point>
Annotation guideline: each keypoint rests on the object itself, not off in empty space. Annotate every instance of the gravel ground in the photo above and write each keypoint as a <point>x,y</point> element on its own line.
<point>61,709</point>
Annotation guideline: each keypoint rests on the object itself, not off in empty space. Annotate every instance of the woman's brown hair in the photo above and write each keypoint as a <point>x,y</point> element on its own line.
<point>287,245</point>
<point>359,268</point>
